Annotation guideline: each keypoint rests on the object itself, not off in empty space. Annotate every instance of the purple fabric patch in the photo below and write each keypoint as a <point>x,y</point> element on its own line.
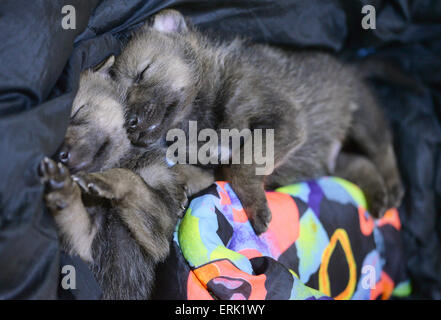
<point>315,197</point>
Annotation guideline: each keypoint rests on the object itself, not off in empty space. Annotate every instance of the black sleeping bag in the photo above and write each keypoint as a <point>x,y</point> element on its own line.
<point>40,63</point>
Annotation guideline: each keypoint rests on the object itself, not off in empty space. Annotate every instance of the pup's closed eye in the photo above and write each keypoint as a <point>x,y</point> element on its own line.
<point>76,112</point>
<point>141,75</point>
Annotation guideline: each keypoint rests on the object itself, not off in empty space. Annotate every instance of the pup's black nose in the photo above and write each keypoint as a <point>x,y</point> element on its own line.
<point>64,156</point>
<point>133,122</point>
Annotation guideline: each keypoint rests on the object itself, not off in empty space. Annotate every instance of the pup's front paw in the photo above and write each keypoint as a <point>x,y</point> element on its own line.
<point>260,217</point>
<point>60,189</point>
<point>395,195</point>
<point>377,201</point>
<point>93,184</point>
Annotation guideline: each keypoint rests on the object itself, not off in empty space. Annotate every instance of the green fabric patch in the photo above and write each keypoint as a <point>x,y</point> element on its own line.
<point>190,241</point>
<point>403,289</point>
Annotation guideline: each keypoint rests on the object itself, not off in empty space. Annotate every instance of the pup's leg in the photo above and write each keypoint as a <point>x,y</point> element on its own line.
<point>370,132</point>
<point>169,182</point>
<point>63,198</point>
<point>194,178</point>
<point>266,149</point>
<point>249,188</point>
<point>361,171</point>
<point>147,215</point>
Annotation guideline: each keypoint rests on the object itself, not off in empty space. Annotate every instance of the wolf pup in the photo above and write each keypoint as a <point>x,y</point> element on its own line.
<point>314,104</point>
<point>119,220</point>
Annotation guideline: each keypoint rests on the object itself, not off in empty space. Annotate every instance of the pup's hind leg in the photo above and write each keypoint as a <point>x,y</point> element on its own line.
<point>63,198</point>
<point>370,132</point>
<point>249,188</point>
<point>248,180</point>
<point>361,171</point>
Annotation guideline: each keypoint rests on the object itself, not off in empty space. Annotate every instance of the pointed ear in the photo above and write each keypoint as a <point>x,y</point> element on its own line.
<point>105,65</point>
<point>169,21</point>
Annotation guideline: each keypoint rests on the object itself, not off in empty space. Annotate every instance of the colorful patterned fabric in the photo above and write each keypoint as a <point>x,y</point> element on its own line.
<point>320,244</point>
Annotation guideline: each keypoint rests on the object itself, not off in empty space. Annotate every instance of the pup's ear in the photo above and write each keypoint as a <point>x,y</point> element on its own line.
<point>169,21</point>
<point>104,66</point>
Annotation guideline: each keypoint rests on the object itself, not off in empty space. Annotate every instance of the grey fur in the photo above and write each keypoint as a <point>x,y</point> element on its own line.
<point>173,74</point>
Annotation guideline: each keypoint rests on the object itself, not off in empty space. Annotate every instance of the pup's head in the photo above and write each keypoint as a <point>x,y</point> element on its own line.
<point>96,138</point>
<point>159,70</point>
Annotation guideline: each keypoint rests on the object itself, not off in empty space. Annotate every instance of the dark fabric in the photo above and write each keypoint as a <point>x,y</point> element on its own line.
<point>86,287</point>
<point>40,64</point>
<point>171,276</point>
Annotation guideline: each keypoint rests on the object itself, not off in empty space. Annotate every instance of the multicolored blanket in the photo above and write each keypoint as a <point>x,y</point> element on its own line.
<point>320,244</point>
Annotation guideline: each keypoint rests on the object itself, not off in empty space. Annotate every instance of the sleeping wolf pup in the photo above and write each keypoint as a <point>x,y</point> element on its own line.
<point>119,219</point>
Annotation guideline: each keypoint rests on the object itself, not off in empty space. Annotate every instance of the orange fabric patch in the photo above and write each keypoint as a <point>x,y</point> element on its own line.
<point>284,225</point>
<point>366,223</point>
<point>195,289</point>
<point>239,215</point>
<point>391,217</point>
<point>227,269</point>
<point>385,287</point>
<point>250,253</point>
